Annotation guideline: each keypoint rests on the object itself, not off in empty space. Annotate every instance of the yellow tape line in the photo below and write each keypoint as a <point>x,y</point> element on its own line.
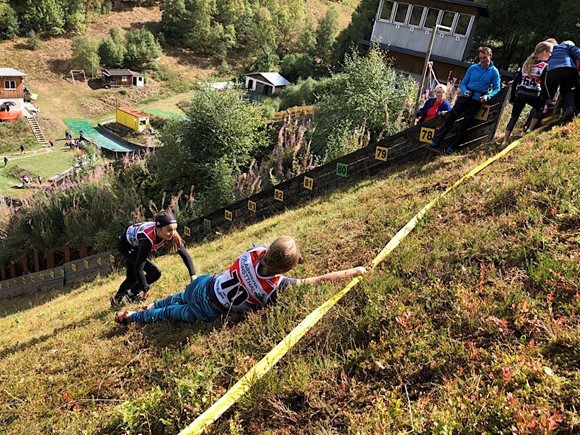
<point>272,357</point>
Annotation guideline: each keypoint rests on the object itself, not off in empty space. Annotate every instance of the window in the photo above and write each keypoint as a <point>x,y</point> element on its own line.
<point>387,10</point>
<point>462,26</point>
<point>9,84</point>
<point>123,78</point>
<point>401,14</point>
<point>447,19</point>
<point>431,19</point>
<point>416,15</point>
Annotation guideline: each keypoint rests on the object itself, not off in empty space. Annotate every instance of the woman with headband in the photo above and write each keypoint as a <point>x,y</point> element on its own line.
<point>136,244</point>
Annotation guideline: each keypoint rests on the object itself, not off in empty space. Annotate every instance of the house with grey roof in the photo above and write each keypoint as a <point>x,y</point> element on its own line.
<point>267,83</point>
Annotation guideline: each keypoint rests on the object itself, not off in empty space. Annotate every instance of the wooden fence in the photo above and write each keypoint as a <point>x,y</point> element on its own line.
<point>343,172</point>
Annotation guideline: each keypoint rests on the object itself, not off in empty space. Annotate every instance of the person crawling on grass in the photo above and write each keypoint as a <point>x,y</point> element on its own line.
<point>138,241</point>
<point>252,282</point>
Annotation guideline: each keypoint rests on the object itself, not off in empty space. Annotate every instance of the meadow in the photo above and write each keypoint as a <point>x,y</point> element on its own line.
<point>470,326</point>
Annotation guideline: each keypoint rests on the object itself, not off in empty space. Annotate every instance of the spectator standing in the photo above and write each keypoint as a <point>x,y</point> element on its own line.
<point>5,161</point>
<point>51,142</point>
<point>480,83</point>
<point>21,149</point>
<point>563,73</point>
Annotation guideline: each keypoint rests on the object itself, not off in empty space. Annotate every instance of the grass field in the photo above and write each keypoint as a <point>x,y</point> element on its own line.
<point>472,325</point>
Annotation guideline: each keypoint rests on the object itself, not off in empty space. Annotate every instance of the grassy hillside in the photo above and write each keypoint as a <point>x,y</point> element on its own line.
<point>472,325</point>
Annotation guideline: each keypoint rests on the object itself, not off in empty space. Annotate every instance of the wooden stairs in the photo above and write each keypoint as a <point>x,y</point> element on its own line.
<point>36,130</point>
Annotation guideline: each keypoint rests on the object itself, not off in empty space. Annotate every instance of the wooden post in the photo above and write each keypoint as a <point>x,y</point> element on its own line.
<point>66,250</point>
<point>36,260</point>
<point>24,263</point>
<point>49,253</point>
<point>83,251</point>
<point>12,270</point>
<point>2,271</point>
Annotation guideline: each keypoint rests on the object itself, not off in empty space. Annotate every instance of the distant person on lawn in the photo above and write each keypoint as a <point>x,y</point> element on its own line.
<point>5,161</point>
<point>252,282</point>
<point>136,244</point>
<point>480,83</point>
<point>437,105</point>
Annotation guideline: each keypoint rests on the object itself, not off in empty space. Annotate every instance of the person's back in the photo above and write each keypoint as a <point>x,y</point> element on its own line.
<point>564,55</point>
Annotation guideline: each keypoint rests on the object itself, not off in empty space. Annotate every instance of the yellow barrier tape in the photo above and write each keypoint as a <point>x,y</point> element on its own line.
<point>272,357</point>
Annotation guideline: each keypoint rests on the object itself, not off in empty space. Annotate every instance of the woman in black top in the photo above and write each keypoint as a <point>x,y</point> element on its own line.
<point>136,244</point>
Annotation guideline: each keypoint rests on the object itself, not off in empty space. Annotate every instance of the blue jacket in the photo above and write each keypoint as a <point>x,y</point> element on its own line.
<point>563,56</point>
<point>444,107</point>
<point>478,80</point>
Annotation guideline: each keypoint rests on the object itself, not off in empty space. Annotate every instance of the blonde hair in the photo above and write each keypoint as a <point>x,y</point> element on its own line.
<point>540,48</point>
<point>442,87</point>
<point>282,255</point>
<point>552,40</point>
<point>176,241</point>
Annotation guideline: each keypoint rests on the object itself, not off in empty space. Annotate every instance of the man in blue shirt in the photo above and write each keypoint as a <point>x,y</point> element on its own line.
<point>480,83</point>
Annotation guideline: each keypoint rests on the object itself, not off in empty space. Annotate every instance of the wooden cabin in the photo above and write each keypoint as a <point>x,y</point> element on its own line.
<point>114,78</point>
<point>405,28</point>
<point>267,83</point>
<point>12,93</point>
<point>136,121</point>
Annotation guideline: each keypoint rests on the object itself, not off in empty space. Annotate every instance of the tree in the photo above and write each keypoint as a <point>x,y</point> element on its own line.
<point>297,65</point>
<point>85,53</point>
<point>512,44</point>
<point>262,35</point>
<point>142,49</point>
<point>326,35</point>
<point>112,49</point>
<point>47,16</point>
<point>220,129</point>
<point>360,27</point>
<point>9,24</point>
<point>368,94</point>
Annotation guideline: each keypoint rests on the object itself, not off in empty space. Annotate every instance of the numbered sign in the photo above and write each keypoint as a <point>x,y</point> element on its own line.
<point>187,231</point>
<point>51,273</point>
<point>483,113</point>
<point>0,286</point>
<point>426,135</point>
<point>7,284</point>
<point>62,272</point>
<point>32,279</point>
<point>73,267</point>
<point>308,183</point>
<point>252,206</point>
<point>381,153</point>
<point>228,215</point>
<point>86,263</point>
<point>112,259</point>
<point>278,195</point>
<point>342,169</point>
<point>23,280</point>
<point>99,261</point>
<point>42,276</point>
<point>207,224</point>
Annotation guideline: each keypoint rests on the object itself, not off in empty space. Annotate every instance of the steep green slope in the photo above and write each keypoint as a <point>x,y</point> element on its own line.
<point>470,326</point>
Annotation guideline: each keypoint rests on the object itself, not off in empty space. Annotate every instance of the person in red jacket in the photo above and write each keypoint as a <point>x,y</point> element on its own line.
<point>434,106</point>
<point>138,241</point>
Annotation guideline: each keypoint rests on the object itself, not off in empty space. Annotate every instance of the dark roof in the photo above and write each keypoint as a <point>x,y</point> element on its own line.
<point>120,72</point>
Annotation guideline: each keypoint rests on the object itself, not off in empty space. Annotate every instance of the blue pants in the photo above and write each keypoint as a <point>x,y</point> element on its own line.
<point>188,306</point>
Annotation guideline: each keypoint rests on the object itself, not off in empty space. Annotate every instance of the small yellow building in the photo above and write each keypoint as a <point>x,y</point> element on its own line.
<point>133,119</point>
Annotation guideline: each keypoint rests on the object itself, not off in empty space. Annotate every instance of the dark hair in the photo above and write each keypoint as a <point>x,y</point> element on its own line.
<point>164,218</point>
<point>485,50</point>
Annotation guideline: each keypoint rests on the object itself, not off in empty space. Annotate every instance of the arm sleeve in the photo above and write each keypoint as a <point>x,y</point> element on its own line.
<point>424,109</point>
<point>287,282</point>
<point>466,77</point>
<point>142,254</point>
<point>575,53</point>
<point>495,84</point>
<point>186,260</point>
<point>445,106</point>
<point>515,83</point>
